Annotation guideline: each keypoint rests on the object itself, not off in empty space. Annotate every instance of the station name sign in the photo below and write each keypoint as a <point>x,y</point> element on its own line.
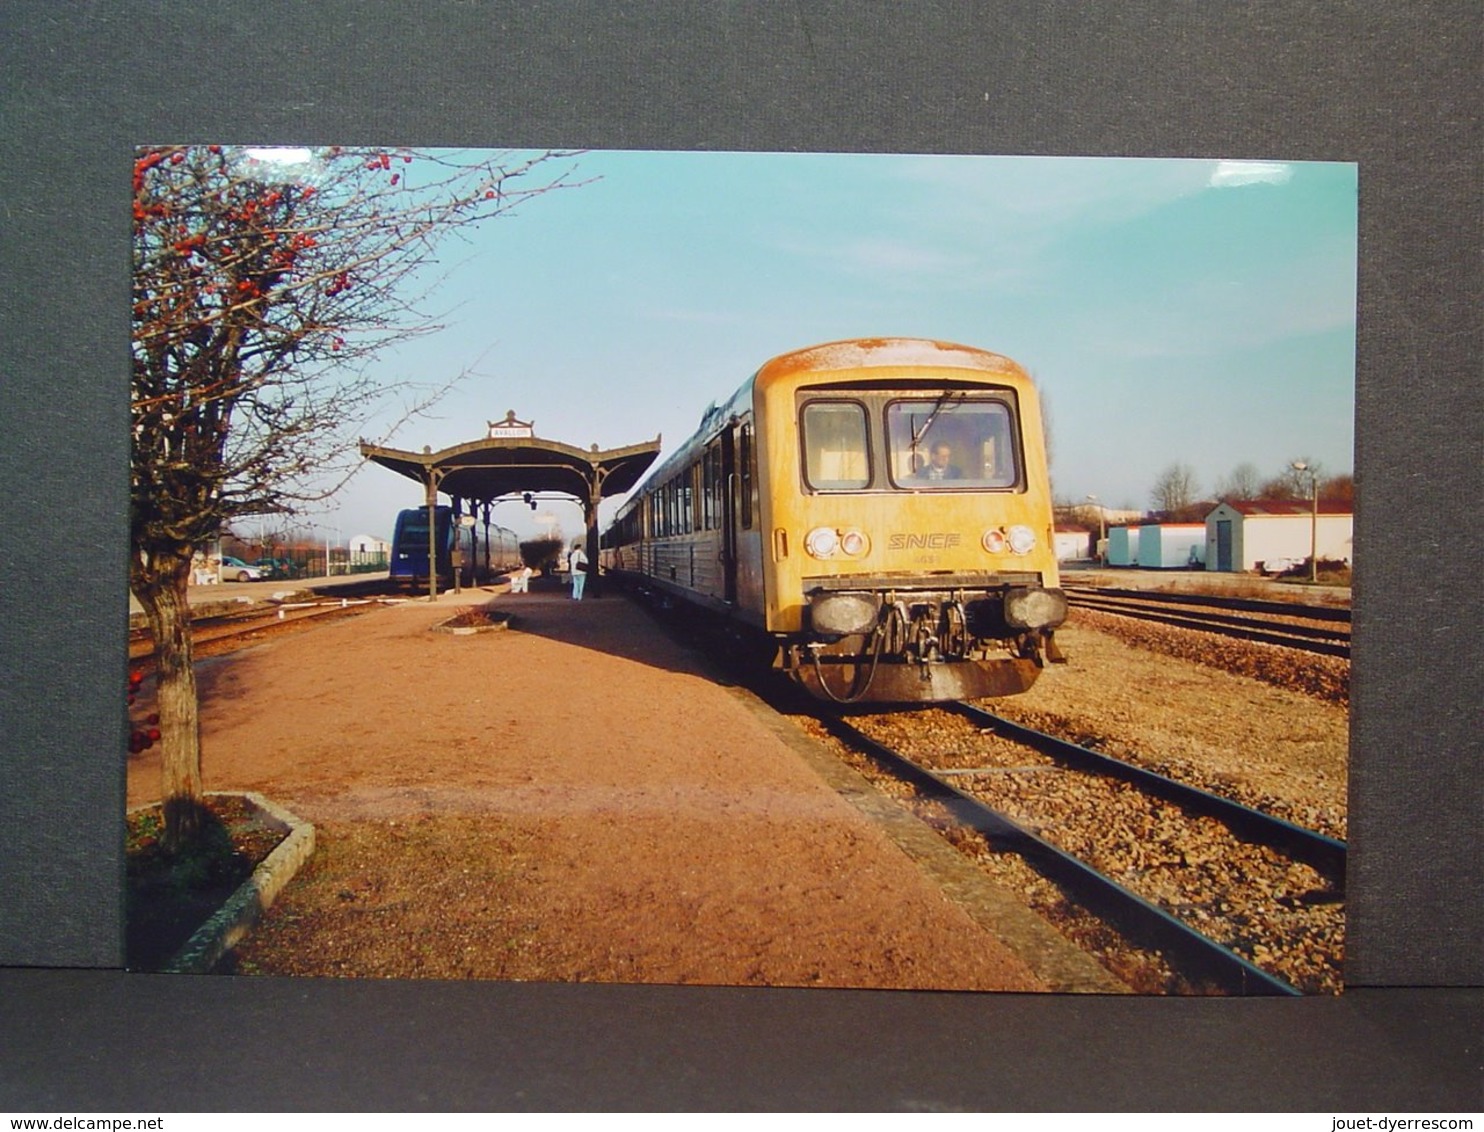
<point>512,429</point>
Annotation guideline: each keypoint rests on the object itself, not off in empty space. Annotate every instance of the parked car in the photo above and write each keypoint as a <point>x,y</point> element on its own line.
<point>274,567</point>
<point>236,570</point>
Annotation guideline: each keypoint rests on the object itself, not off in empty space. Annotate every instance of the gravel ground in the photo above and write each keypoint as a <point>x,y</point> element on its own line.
<point>1249,721</point>
<point>1214,724</point>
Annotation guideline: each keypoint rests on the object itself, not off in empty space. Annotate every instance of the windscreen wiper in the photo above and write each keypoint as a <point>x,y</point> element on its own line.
<point>938,408</point>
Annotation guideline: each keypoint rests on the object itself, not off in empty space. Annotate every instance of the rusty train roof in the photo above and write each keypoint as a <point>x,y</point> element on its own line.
<point>826,357</point>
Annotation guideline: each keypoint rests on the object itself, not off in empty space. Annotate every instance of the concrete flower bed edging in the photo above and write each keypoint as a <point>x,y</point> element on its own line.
<point>234,919</point>
<point>496,622</point>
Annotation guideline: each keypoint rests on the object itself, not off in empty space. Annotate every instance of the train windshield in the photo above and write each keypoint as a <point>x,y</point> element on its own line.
<point>413,530</point>
<point>836,451</point>
<point>950,442</point>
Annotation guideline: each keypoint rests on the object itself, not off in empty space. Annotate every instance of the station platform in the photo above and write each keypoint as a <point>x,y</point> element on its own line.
<point>581,797</point>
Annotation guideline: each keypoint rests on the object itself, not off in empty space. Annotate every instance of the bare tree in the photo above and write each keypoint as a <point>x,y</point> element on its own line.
<point>1243,482</point>
<point>1338,489</point>
<point>264,281</point>
<point>542,553</point>
<point>1175,489</point>
<point>1292,482</point>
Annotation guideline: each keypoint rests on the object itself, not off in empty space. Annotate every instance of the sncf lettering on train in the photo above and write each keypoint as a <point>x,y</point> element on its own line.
<point>935,540</point>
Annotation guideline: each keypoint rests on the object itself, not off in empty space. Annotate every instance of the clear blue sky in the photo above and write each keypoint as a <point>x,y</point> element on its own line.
<point>1172,310</point>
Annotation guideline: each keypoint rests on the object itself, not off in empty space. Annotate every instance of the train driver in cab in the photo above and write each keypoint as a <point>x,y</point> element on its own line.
<point>940,465</point>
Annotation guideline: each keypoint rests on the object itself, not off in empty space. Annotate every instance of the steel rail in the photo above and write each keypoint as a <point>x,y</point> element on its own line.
<point>1094,600</point>
<point>1215,601</point>
<point>1196,956</point>
<point>223,627</point>
<point>1294,637</point>
<point>1326,854</point>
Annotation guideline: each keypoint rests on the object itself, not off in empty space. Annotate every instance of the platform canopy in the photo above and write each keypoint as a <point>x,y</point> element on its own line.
<point>512,460</point>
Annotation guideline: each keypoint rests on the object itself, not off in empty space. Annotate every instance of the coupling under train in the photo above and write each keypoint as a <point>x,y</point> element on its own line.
<point>877,512</point>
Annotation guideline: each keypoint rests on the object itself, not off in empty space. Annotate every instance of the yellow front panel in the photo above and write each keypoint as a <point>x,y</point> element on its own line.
<point>909,532</point>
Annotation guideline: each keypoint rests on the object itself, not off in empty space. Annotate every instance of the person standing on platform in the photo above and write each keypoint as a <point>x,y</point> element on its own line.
<point>577,563</point>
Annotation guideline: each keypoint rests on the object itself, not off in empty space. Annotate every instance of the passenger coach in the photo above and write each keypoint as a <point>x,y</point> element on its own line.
<point>877,511</point>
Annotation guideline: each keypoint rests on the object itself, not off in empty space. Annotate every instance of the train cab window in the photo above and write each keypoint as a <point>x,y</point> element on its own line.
<point>951,442</point>
<point>836,455</point>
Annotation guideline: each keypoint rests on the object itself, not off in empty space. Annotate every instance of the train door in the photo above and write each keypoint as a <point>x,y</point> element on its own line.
<point>729,491</point>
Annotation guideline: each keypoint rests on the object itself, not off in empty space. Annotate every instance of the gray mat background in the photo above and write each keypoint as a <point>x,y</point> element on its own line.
<point>1395,89</point>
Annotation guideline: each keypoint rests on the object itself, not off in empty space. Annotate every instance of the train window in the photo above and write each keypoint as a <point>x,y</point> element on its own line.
<point>836,456</point>
<point>707,483</point>
<point>706,519</point>
<point>715,486</point>
<point>744,467</point>
<point>951,442</point>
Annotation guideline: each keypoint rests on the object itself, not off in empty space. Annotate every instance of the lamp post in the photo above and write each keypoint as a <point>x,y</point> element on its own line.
<point>1302,466</point>
<point>1102,528</point>
<point>326,532</point>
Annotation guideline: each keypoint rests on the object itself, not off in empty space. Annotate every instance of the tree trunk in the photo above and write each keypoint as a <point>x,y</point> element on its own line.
<point>160,587</point>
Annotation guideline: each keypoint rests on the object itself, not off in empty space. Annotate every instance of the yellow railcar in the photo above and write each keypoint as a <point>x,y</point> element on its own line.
<point>877,510</point>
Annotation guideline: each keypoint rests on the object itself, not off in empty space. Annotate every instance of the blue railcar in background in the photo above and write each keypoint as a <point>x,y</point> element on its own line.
<point>476,557</point>
<point>409,561</point>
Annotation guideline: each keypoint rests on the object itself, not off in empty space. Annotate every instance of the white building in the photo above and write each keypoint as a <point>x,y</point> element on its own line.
<point>1074,544</point>
<point>1267,534</point>
<point>368,548</point>
<point>1172,546</point>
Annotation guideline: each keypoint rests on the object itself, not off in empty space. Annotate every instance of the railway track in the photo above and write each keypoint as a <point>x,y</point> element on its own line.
<point>1219,890</point>
<point>219,632</point>
<point>1310,628</point>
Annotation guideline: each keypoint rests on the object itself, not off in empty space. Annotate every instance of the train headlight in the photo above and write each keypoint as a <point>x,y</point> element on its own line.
<point>822,542</point>
<point>827,542</point>
<point>1035,609</point>
<point>842,614</point>
<point>1022,540</point>
<point>993,541</point>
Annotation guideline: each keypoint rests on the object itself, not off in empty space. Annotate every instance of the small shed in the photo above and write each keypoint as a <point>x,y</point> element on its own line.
<point>1123,546</point>
<point>1271,534</point>
<point>1073,544</point>
<point>1172,546</point>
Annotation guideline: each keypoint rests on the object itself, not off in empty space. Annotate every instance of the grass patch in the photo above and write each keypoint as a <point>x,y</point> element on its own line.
<point>168,896</point>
